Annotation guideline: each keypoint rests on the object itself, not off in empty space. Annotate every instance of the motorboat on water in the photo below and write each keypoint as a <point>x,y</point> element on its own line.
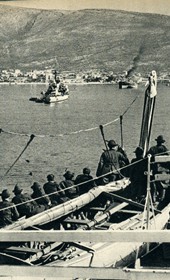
<point>55,93</point>
<point>52,98</point>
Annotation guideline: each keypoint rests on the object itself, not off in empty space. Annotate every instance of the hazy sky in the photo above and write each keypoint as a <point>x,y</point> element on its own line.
<point>148,6</point>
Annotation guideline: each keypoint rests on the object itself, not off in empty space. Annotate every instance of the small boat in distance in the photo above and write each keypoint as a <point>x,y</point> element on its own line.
<point>127,84</point>
<point>52,98</point>
<point>56,92</point>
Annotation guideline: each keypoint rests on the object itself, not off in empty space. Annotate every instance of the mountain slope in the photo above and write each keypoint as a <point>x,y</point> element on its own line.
<point>86,39</point>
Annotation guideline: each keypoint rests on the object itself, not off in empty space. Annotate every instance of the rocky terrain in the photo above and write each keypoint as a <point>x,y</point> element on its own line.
<point>85,39</point>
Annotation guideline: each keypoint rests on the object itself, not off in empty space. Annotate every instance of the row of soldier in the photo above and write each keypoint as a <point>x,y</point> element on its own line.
<point>113,165</point>
<point>43,198</point>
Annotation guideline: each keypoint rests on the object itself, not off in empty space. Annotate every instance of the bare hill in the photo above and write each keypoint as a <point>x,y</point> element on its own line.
<point>86,39</point>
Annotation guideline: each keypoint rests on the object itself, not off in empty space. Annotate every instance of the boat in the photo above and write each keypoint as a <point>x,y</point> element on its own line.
<point>105,208</point>
<point>127,84</point>
<point>55,93</point>
<point>62,210</point>
<point>52,98</point>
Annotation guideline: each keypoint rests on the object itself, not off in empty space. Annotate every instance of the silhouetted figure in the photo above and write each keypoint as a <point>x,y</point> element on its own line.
<point>68,185</point>
<point>85,180</point>
<point>111,160</point>
<point>40,197</point>
<point>159,148</point>
<point>52,189</point>
<point>138,176</point>
<point>159,187</point>
<point>8,211</point>
<point>24,204</point>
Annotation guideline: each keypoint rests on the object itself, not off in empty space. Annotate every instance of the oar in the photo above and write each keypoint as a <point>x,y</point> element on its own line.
<point>104,140</point>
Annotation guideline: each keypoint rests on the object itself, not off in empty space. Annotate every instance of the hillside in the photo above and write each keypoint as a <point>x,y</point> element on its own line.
<point>85,39</point>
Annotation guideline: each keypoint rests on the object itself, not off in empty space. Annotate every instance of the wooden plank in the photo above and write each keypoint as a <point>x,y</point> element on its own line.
<point>129,201</point>
<point>148,274</point>
<point>22,249</point>
<point>162,177</point>
<point>76,221</point>
<point>116,208</point>
<point>71,272</point>
<point>96,209</point>
<point>129,211</point>
<point>162,159</point>
<point>87,236</point>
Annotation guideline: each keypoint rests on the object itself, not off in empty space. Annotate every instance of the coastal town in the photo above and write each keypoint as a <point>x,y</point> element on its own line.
<point>17,76</point>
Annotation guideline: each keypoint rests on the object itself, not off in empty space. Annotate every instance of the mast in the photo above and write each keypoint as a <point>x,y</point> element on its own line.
<point>148,111</point>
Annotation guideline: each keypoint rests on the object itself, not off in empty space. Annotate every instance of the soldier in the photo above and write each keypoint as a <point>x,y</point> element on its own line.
<point>159,148</point>
<point>8,211</point>
<point>83,179</point>
<point>25,205</point>
<point>53,190</point>
<point>68,185</point>
<point>51,88</point>
<point>159,188</point>
<point>111,160</point>
<point>137,175</point>
<point>40,197</point>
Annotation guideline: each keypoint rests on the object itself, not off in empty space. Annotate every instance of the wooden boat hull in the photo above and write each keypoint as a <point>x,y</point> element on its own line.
<point>67,207</point>
<point>116,254</point>
<point>54,99</point>
<point>50,99</point>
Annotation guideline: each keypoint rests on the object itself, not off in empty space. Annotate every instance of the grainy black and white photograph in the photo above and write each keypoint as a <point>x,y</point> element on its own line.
<point>85,139</point>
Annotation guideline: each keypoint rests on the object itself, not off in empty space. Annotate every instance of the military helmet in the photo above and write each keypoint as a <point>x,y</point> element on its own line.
<point>111,143</point>
<point>160,139</point>
<point>5,194</point>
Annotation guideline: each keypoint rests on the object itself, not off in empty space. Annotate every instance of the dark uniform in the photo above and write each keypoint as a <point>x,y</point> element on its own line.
<point>84,181</point>
<point>138,176</point>
<point>51,88</point>
<point>8,211</point>
<point>52,189</point>
<point>23,202</point>
<point>158,149</point>
<point>68,185</point>
<point>111,160</point>
<point>40,197</point>
<point>159,188</point>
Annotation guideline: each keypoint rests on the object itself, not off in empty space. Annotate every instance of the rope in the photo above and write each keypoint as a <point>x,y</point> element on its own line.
<point>73,186</point>
<point>74,132</point>
<point>91,180</point>
<point>61,135</point>
<point>28,143</point>
<point>130,105</point>
<point>58,135</point>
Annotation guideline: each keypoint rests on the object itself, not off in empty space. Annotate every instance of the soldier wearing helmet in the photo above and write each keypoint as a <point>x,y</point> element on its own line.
<point>84,181</point>
<point>159,188</point>
<point>111,160</point>
<point>159,148</point>
<point>8,211</point>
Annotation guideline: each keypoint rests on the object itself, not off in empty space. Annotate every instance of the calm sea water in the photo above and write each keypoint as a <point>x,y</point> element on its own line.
<point>55,148</point>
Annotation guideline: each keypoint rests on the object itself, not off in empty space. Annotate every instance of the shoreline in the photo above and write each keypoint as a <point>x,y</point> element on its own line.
<point>68,83</point>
